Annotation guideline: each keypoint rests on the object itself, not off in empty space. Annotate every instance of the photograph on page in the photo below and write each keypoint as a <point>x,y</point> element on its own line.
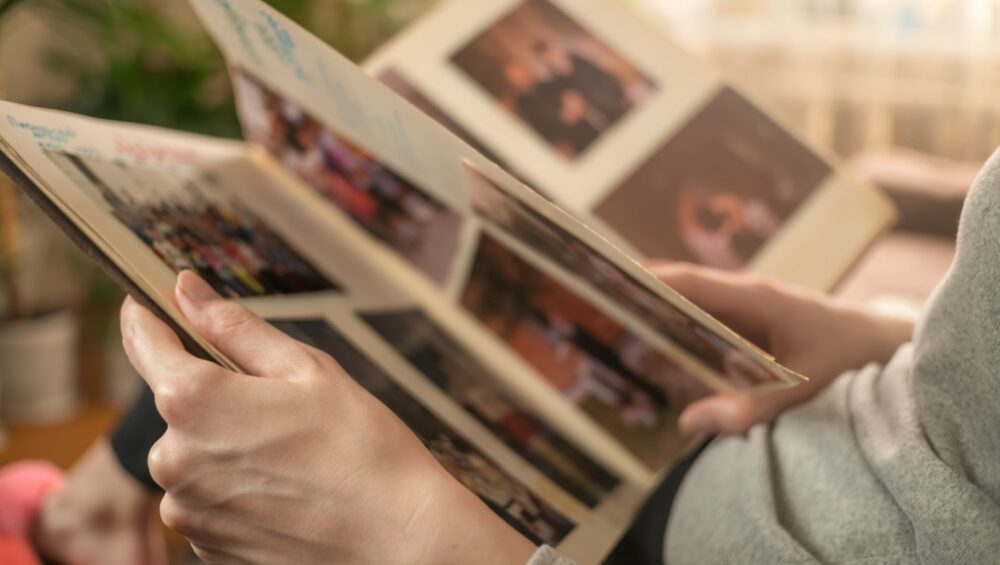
<point>718,190</point>
<point>95,212</point>
<point>504,494</point>
<point>421,229</point>
<point>499,208</point>
<point>623,382</point>
<point>454,370</point>
<point>193,223</point>
<point>555,76</point>
<point>767,214</point>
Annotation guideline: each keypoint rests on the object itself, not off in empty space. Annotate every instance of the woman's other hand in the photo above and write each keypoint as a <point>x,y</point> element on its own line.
<point>807,332</point>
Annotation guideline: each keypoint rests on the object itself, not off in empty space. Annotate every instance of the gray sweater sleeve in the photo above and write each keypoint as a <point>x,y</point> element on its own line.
<point>548,556</point>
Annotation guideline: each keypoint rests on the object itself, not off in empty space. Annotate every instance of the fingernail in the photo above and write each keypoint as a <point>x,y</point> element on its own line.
<point>195,288</point>
<point>701,422</point>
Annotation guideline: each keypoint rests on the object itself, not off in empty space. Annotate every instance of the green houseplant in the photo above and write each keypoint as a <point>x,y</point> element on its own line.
<point>146,61</point>
<point>150,67</point>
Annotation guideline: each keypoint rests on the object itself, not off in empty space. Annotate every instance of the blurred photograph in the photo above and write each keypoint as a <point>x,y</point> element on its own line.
<point>505,495</point>
<point>191,224</point>
<point>623,383</point>
<point>719,190</point>
<point>554,75</point>
<point>457,373</point>
<point>502,210</point>
<point>383,203</point>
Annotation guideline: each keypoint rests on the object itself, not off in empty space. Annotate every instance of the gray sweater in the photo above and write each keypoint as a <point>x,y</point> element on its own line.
<point>899,464</point>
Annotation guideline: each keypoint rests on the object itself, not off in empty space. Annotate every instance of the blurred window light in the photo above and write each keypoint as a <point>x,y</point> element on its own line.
<point>856,74</point>
<point>976,17</point>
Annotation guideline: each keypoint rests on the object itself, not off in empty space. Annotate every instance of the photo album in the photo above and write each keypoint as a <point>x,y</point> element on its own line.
<point>384,216</point>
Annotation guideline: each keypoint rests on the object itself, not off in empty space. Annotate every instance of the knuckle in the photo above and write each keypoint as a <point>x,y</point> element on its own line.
<point>178,395</point>
<point>177,517</point>
<point>314,362</point>
<point>171,399</point>
<point>229,317</point>
<point>159,468</point>
<point>168,464</point>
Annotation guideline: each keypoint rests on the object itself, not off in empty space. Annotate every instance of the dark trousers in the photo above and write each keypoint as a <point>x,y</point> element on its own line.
<point>643,543</point>
<point>138,430</point>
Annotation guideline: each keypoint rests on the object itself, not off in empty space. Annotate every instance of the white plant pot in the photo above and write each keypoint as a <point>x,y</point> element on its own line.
<point>39,365</point>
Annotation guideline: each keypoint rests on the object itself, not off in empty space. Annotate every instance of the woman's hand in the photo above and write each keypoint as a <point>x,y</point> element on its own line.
<point>101,516</point>
<point>806,331</point>
<point>298,463</point>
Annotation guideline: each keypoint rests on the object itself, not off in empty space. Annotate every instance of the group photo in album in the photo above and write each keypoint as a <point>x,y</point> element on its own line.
<point>385,204</point>
<point>612,374</point>
<point>502,210</point>
<point>453,369</point>
<point>519,281</point>
<point>191,224</point>
<point>555,76</point>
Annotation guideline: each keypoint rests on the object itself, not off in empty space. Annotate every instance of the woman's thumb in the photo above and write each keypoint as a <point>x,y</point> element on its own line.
<point>737,412</point>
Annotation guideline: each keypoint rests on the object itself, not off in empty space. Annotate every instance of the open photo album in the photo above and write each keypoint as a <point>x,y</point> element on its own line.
<point>386,218</point>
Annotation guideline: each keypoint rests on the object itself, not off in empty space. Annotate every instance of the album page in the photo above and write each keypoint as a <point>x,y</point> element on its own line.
<point>588,103</point>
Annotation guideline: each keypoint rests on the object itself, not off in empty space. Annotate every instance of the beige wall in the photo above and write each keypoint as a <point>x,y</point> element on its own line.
<point>24,39</point>
<point>52,272</point>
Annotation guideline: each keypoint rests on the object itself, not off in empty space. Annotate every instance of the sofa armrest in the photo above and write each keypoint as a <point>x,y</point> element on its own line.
<point>929,191</point>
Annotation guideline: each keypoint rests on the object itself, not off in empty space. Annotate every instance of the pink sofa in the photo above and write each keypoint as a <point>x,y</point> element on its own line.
<point>909,261</point>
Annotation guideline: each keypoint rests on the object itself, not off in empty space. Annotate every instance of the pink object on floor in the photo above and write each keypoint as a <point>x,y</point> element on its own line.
<point>23,487</point>
<point>16,551</point>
